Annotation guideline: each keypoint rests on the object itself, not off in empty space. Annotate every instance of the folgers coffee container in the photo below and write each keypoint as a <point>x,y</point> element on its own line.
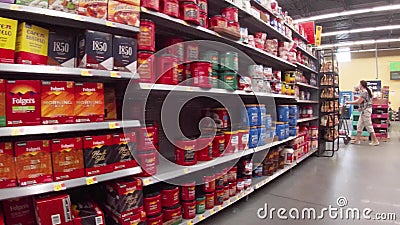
<point>218,145</point>
<point>8,38</point>
<point>204,148</point>
<point>57,102</point>
<point>155,219</point>
<point>219,196</point>
<point>33,162</point>
<point>31,45</point>
<point>229,80</point>
<point>185,153</point>
<point>209,184</point>
<point>201,74</point>
<point>121,155</point>
<point>146,138</point>
<point>89,105</point>
<point>218,22</point>
<point>201,204</point>
<point>232,189</point>
<point>167,66</point>
<point>7,167</point>
<point>23,102</point>
<point>212,57</point>
<point>152,203</point>
<point>148,162</point>
<point>203,20</point>
<point>170,196</point>
<point>219,180</point>
<point>146,67</point>
<point>232,174</point>
<point>67,158</point>
<point>203,6</point>
<point>188,191</point>
<point>210,200</point>
<point>170,7</point>
<point>172,215</point>
<point>151,4</point>
<point>243,139</point>
<point>125,54</point>
<point>189,209</point>
<point>189,12</point>
<point>231,14</point>
<point>96,152</point>
<point>231,141</point>
<point>191,52</point>
<point>226,192</point>
<point>176,47</point>
<point>240,184</point>
<point>95,50</point>
<point>147,36</point>
<point>61,50</point>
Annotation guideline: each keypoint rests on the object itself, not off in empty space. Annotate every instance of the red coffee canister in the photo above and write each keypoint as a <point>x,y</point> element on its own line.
<point>209,184</point>
<point>145,138</point>
<point>203,20</point>
<point>201,74</point>
<point>219,180</point>
<point>169,196</point>
<point>147,161</point>
<point>231,142</point>
<point>234,26</point>
<point>210,200</point>
<point>205,154</point>
<point>155,219</point>
<point>240,185</point>
<point>185,154</point>
<point>189,12</point>
<point>232,189</point>
<point>226,192</point>
<point>147,36</point>
<point>191,52</point>
<point>151,4</point>
<point>188,192</point>
<point>173,213</point>
<point>231,14</point>
<point>219,196</point>
<point>167,66</point>
<point>146,67</point>
<point>218,145</point>
<point>189,209</point>
<point>247,182</point>
<point>232,174</point>
<point>175,47</point>
<point>218,22</point>
<point>203,6</point>
<point>152,203</point>
<point>225,175</point>
<point>243,139</point>
<point>170,7</point>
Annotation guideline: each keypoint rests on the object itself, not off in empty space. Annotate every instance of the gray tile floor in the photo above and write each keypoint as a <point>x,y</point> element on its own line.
<point>367,176</point>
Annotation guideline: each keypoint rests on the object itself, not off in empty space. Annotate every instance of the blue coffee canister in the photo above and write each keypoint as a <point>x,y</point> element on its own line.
<point>252,113</point>
<point>253,137</point>
<point>293,131</point>
<point>293,121</point>
<point>262,113</point>
<point>280,131</point>
<point>283,113</point>
<point>287,127</point>
<point>262,136</point>
<point>268,121</point>
<point>293,110</point>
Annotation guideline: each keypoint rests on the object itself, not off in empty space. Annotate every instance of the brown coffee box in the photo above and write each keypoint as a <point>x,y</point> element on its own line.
<point>95,50</point>
<point>125,54</point>
<point>96,153</point>
<point>121,156</point>
<point>67,158</point>
<point>8,177</point>
<point>62,50</point>
<point>89,106</point>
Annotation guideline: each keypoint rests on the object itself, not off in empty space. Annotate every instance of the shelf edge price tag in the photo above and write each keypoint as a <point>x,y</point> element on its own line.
<point>113,125</point>
<point>60,187</point>
<point>86,73</point>
<point>91,180</point>
<point>115,74</point>
<point>186,170</point>
<point>185,23</point>
<point>143,9</point>
<point>237,198</point>
<point>212,211</point>
<point>110,24</point>
<point>17,131</point>
<point>220,207</point>
<point>146,181</point>
<point>15,7</point>
<point>201,217</point>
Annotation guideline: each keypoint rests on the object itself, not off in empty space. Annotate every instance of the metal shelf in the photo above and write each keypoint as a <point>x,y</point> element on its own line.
<point>307,119</point>
<point>308,54</point>
<point>64,19</point>
<point>307,85</point>
<point>307,101</point>
<point>273,144</point>
<point>305,68</point>
<point>8,193</point>
<point>262,8</point>
<point>296,33</point>
<point>75,127</point>
<point>170,24</point>
<point>62,71</point>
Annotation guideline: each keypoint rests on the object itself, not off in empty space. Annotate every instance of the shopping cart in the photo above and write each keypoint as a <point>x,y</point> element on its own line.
<point>344,132</point>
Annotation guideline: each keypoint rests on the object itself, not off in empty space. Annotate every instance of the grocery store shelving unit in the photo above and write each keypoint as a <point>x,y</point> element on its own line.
<point>380,121</point>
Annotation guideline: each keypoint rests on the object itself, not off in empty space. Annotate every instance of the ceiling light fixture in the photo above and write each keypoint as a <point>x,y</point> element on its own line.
<point>352,43</point>
<point>350,12</point>
<point>361,30</point>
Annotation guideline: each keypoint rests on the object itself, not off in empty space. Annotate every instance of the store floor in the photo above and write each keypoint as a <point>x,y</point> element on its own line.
<point>367,176</point>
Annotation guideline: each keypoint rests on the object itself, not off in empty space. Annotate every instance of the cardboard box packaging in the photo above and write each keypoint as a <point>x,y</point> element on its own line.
<point>123,13</point>
<point>8,177</point>
<point>53,210</point>
<point>70,6</point>
<point>95,50</point>
<point>23,102</point>
<point>3,121</point>
<point>93,8</point>
<point>19,211</point>
<point>125,54</point>
<point>96,152</point>
<point>8,37</point>
<point>33,3</point>
<point>67,158</point>
<point>132,2</point>
<point>1,217</point>
<point>116,218</point>
<point>87,213</point>
<point>110,105</point>
<point>121,156</point>
<point>57,102</point>
<point>33,162</point>
<point>62,50</point>
<point>32,44</point>
<point>89,102</point>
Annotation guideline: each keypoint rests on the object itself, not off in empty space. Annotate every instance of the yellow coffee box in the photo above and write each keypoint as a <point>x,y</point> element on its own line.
<point>32,44</point>
<point>8,36</point>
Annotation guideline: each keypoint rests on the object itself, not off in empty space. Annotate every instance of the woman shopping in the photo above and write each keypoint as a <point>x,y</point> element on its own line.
<point>365,108</point>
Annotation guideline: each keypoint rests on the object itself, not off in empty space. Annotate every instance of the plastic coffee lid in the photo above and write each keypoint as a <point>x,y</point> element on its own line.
<point>155,215</point>
<point>153,194</point>
<point>172,207</point>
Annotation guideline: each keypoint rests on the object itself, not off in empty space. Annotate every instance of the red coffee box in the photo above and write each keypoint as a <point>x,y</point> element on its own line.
<point>67,158</point>
<point>32,44</point>
<point>110,104</point>
<point>123,13</point>
<point>125,53</point>
<point>8,37</point>
<point>87,213</point>
<point>3,122</point>
<point>116,218</point>
<point>121,155</point>
<point>62,50</point>
<point>33,162</point>
<point>96,152</point>
<point>8,178</point>
<point>125,197</point>
<point>58,102</point>
<point>1,217</point>
<point>89,102</point>
<point>53,210</point>
<point>23,102</point>
<point>19,211</point>
<point>95,50</point>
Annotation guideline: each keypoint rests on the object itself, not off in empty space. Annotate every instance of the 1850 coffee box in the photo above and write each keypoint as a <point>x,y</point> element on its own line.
<point>89,102</point>
<point>125,53</point>
<point>19,211</point>
<point>33,162</point>
<point>57,102</point>
<point>53,210</point>
<point>96,152</point>
<point>7,166</point>
<point>62,50</point>
<point>32,44</point>
<point>67,157</point>
<point>8,37</point>
<point>23,102</point>
<point>95,50</point>
<point>121,156</point>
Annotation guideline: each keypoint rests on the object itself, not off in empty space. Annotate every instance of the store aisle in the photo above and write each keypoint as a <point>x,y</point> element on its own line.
<point>366,176</point>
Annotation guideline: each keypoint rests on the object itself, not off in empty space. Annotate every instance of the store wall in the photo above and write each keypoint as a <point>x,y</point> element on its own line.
<point>363,67</point>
